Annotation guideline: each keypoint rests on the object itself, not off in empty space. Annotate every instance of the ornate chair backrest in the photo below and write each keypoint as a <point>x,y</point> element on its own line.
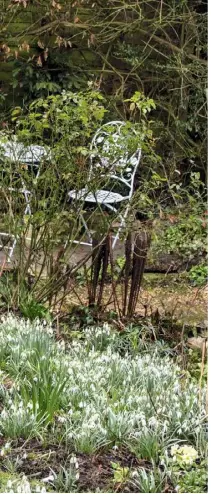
<point>110,153</point>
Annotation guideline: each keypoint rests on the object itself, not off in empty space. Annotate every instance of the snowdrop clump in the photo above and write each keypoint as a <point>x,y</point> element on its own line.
<point>104,397</point>
<point>23,486</point>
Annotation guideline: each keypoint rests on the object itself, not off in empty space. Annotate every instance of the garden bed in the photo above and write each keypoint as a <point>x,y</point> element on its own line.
<point>98,412</point>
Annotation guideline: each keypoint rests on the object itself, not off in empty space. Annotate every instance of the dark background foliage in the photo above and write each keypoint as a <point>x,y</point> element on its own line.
<point>156,47</point>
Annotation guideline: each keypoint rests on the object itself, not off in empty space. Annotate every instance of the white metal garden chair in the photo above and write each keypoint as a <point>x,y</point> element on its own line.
<point>29,157</point>
<point>116,164</point>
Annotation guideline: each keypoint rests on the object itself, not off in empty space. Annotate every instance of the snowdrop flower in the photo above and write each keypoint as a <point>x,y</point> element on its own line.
<point>40,490</point>
<point>73,459</point>
<point>61,419</point>
<point>50,478</point>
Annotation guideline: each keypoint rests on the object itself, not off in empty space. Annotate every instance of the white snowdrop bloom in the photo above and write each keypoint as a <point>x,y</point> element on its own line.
<point>24,486</point>
<point>50,478</point>
<point>4,414</point>
<point>153,422</point>
<point>73,459</point>
<point>61,419</point>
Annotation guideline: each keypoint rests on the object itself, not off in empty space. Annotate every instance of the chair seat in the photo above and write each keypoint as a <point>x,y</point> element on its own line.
<point>100,196</point>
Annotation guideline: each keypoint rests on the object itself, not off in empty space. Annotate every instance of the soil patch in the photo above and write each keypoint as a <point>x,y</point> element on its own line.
<point>96,473</point>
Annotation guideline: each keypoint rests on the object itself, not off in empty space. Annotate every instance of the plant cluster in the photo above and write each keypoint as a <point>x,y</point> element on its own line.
<point>198,275</point>
<point>89,395</point>
<point>183,229</point>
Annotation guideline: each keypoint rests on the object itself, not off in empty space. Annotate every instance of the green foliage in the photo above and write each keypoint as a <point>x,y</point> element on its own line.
<point>31,309</point>
<point>190,474</point>
<point>198,275</point>
<point>35,82</point>
<point>148,447</point>
<point>64,124</point>
<point>187,235</point>
<point>194,365</point>
<point>194,479</point>
<point>121,474</point>
<point>83,315</point>
<point>150,481</point>
<point>70,117</point>
<point>141,102</point>
<point>67,478</point>
<point>186,238</point>
<point>160,48</point>
<point>67,122</point>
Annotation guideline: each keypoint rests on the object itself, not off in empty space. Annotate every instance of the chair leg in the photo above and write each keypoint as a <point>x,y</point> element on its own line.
<point>118,233</point>
<point>87,231</point>
<point>12,250</point>
<point>86,227</point>
<point>122,224</point>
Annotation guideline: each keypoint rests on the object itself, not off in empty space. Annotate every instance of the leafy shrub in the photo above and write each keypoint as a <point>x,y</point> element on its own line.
<point>198,275</point>
<point>186,236</point>
<point>64,124</point>
<point>194,365</point>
